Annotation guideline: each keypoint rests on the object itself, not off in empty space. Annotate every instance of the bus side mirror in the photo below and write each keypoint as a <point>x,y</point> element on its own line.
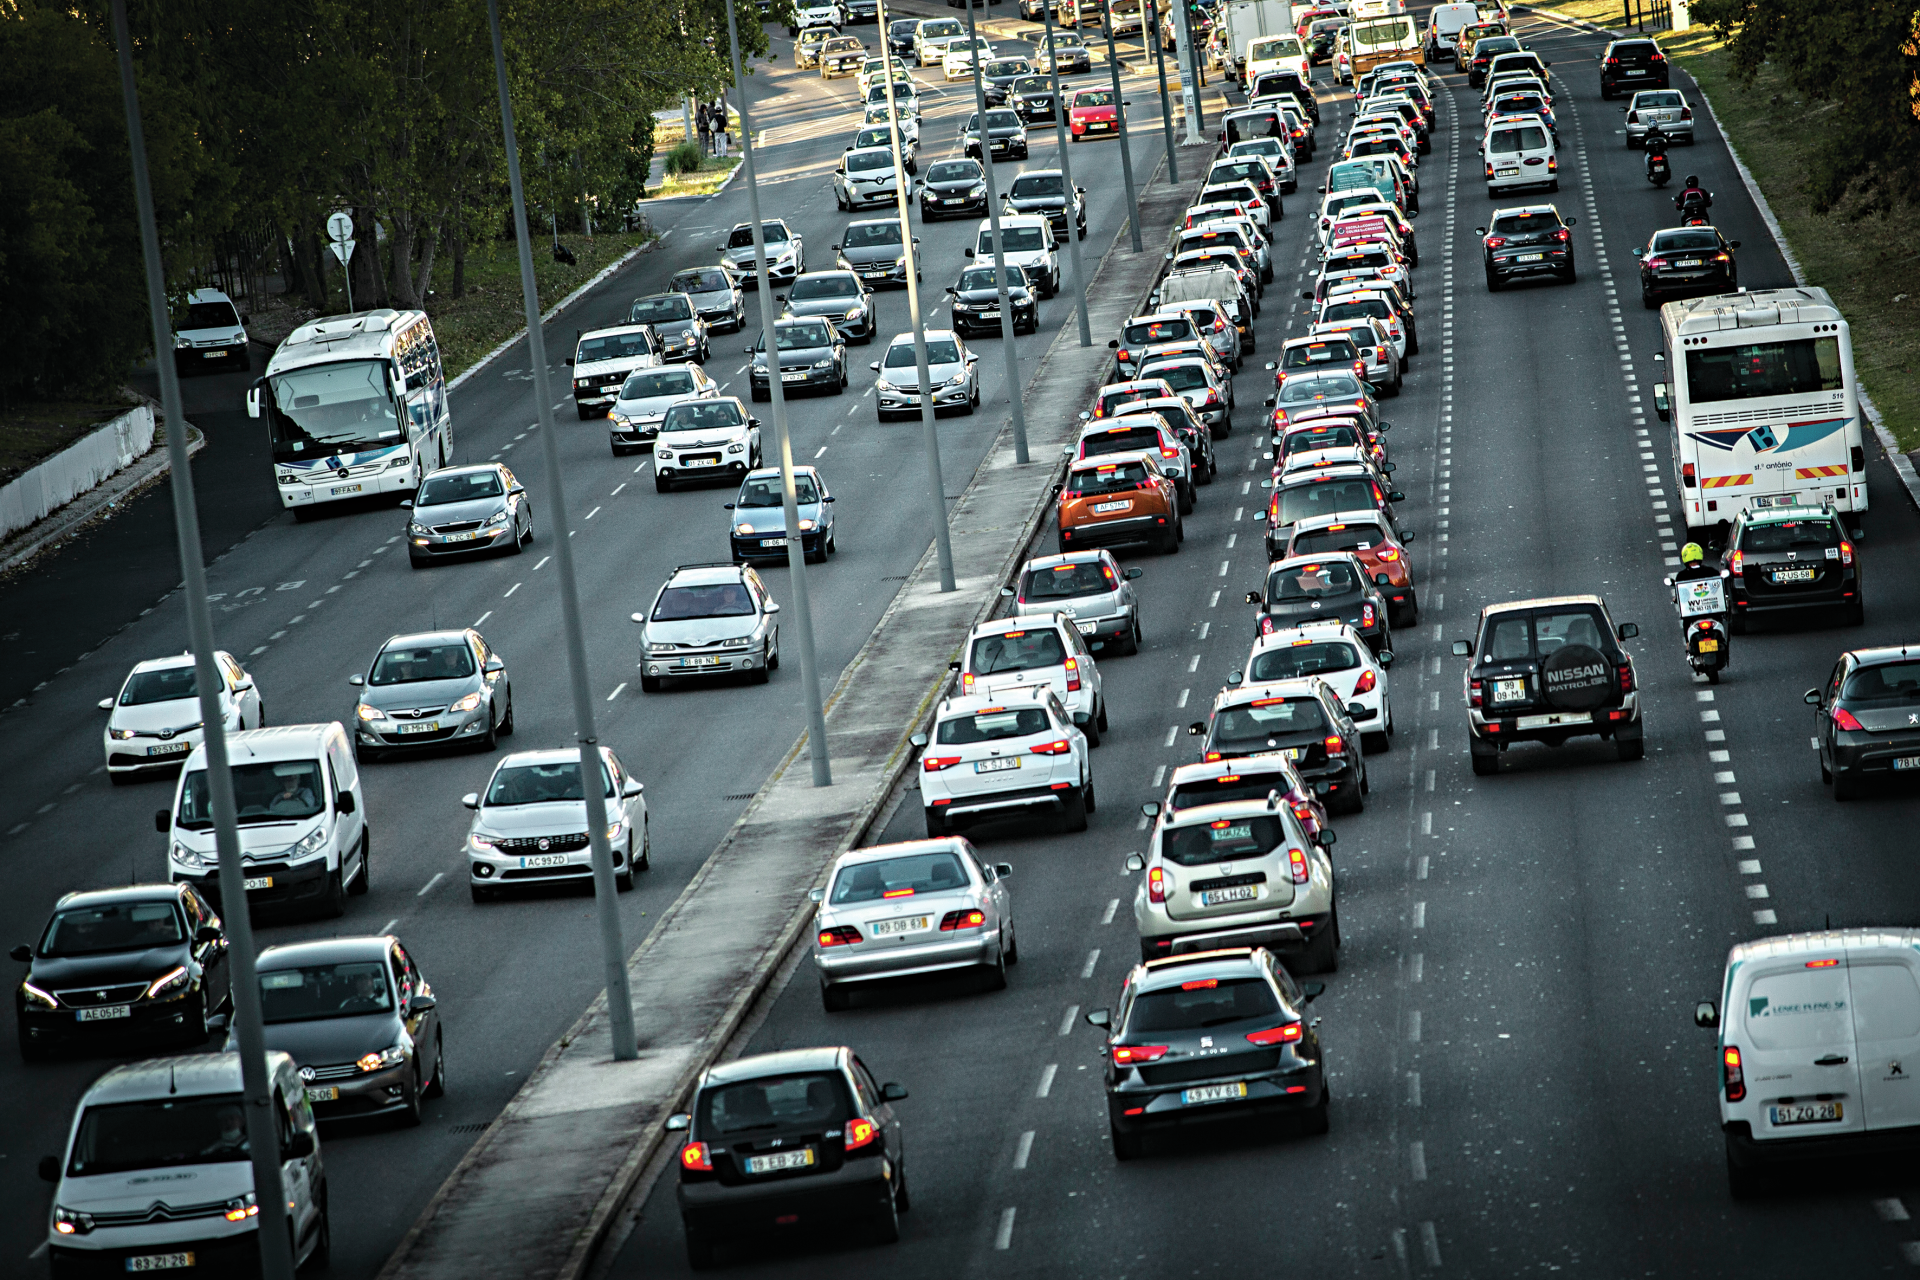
<point>1662,406</point>
<point>253,400</point>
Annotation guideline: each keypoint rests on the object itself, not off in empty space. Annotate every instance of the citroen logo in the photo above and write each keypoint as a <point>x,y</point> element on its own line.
<point>545,843</point>
<point>306,1073</point>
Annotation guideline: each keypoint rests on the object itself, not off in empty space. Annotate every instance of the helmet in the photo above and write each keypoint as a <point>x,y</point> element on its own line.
<point>1693,180</point>
<point>1692,554</point>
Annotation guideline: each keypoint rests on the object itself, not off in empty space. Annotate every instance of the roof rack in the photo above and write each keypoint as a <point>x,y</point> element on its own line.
<point>1198,957</point>
<point>707,564</point>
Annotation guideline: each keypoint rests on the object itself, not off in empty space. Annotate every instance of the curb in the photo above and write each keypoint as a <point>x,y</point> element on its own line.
<point>599,277</point>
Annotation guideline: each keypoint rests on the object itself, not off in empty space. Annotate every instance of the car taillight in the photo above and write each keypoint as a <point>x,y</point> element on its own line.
<point>962,920</point>
<point>1156,885</point>
<point>1846,552</point>
<point>1624,672</point>
<point>861,1132</point>
<point>1388,553</point>
<point>1267,626</point>
<point>1473,693</point>
<point>934,764</point>
<point>1739,565</point>
<point>1612,62</point>
<point>1496,242</point>
<point>1128,1054</point>
<point>1174,453</point>
<point>1656,264</point>
<point>1336,745</point>
<point>1073,674</point>
<point>697,1157</point>
<point>1686,113</point>
<point>1211,756</point>
<point>1553,164</point>
<point>1360,367</point>
<point>1058,747</point>
<point>1658,57</point>
<point>1276,1035</point>
<point>1366,615</point>
<point>1563,235</point>
<point>1844,719</point>
<point>840,936</point>
<point>1213,397</point>
<point>1735,1078</point>
<point>1366,682</point>
<point>966,680</point>
<point>1297,864</point>
<point>1122,353</point>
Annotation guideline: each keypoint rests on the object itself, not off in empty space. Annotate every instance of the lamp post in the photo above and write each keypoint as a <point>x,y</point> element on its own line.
<point>1066,174</point>
<point>1166,106</point>
<point>1000,254</point>
<point>1120,118</point>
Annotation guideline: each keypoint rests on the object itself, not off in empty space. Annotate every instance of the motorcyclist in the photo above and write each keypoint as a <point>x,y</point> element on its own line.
<point>1693,566</point>
<point>1693,197</point>
<point>1656,145</point>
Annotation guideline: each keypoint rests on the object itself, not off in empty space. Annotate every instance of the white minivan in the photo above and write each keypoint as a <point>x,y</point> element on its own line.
<point>1029,246</point>
<point>157,1176</point>
<point>1819,1048</point>
<point>303,824</point>
<point>1518,151</point>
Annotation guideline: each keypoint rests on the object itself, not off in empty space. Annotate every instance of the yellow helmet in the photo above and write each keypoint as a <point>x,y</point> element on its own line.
<point>1692,554</point>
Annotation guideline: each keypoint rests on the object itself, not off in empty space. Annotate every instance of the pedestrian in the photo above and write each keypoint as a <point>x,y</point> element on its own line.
<point>704,122</point>
<point>721,122</point>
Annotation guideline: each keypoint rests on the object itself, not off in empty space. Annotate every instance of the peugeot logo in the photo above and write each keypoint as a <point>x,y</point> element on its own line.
<point>306,1073</point>
<point>545,843</point>
<point>99,995</point>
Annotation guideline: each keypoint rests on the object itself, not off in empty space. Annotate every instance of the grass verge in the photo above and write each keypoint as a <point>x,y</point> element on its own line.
<point>34,430</point>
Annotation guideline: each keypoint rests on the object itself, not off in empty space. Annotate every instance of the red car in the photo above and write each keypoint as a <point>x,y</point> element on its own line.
<point>1092,113</point>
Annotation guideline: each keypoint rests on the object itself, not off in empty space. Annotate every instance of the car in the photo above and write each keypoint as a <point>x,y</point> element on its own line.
<point>463,510</point>
<point>1118,500</point>
<point>809,43</point>
<point>1216,328</point>
<point>361,1022</point>
<point>1043,193</point>
<point>1790,559</point>
<point>211,334</point>
<point>431,688</point>
<point>953,187</point>
<point>154,721</point>
<point>861,10</point>
<point>785,248</point>
<point>1321,38</point>
<point>902,96</point>
<point>865,177</point>
<point>1026,242</point>
<point>709,620</point>
<point>839,296</point>
<point>842,56</point>
<point>1254,166</point>
<point>809,16</point>
<point>1136,430</point>
<point>1444,22</point>
<point>1063,52</point>
<point>1302,495</point>
<point>1031,98</point>
<point>976,302</point>
<point>957,59</point>
<point>1300,589</point>
<point>1142,333</point>
<point>676,322</point>
<point>1527,240</point>
<point>1204,385</point>
<point>813,356</point>
<point>121,967</point>
<point>644,400</point>
<point>872,249</point>
<point>1383,305</point>
<point>1547,670</point>
<point>1308,395</point>
<point>1380,547</point>
<point>1519,152</point>
<point>874,67</point>
<point>529,824</point>
<point>998,74</point>
<point>1373,347</point>
<point>1006,654</point>
<point>1277,153</point>
<point>1303,719</point>
<point>1685,260</point>
<point>952,375</point>
<point>1310,441</point>
<point>900,36</point>
<point>705,439</point>
<point>758,527</point>
<point>1006,135</point>
<point>1173,1055</point>
<point>1240,232</point>
<point>1515,61</point>
<point>1088,586</point>
<point>1007,751</point>
<point>1485,50</point>
<point>602,359</point>
<point>1246,778</point>
<point>882,135</point>
<point>1470,35</point>
<point>1336,652</point>
<point>716,296</point>
<point>1252,122</point>
<point>1667,108</point>
<point>1091,114</point>
<point>1193,432</point>
<point>1357,266</point>
<point>1630,64</point>
<point>1864,725</point>
<point>813,1117</point>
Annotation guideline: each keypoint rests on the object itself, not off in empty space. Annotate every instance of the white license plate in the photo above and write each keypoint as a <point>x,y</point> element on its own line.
<point>996,766</point>
<point>423,726</point>
<point>1778,500</point>
<point>211,355</point>
<point>1531,257</point>
<point>1102,507</point>
<point>1506,173</point>
<point>714,462</point>
<point>1237,893</point>
<point>160,1261</point>
<point>1547,722</point>
<point>338,489</point>
<point>954,200</point>
<point>1907,762</point>
<point>257,882</point>
<point>1092,127</point>
<point>468,536</point>
<point>773,542</point>
<point>1513,690</point>
<point>701,662</point>
<point>323,1093</point>
<point>780,1160</point>
<point>794,377</point>
<point>169,748</point>
<point>1805,1113</point>
<point>989,315</point>
<point>1214,1093</point>
<point>1636,73</point>
<point>905,924</point>
<point>533,860</point>
<point>1086,628</point>
<point>1688,262</point>
<point>1793,575</point>
<point>105,1013</point>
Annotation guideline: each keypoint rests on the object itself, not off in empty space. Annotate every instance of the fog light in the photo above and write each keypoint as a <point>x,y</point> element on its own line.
<point>483,871</point>
<point>653,668</point>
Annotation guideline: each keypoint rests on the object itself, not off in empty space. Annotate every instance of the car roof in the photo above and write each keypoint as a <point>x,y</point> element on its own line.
<point>968,704</point>
<point>125,893</point>
<point>1825,940</point>
<point>694,575</point>
<point>799,469</point>
<point>1171,971</point>
<point>192,1074</point>
<point>208,295</point>
<point>453,636</point>
<point>784,1062</point>
<point>614,329</point>
<point>1372,516</point>
<point>290,955</point>
<point>1538,602</point>
<point>543,755</point>
<point>1086,555</point>
<point>1883,653</point>
<point>1021,622</point>
<point>281,742</point>
<point>1777,515</point>
<point>933,335</point>
<point>1286,562</point>
<point>1203,770</point>
<point>1287,635</point>
<point>167,663</point>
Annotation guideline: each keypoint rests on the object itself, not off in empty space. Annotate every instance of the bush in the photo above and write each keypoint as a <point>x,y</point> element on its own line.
<point>685,158</point>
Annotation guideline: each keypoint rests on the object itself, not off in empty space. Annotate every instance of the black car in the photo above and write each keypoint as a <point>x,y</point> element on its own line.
<point>1547,670</point>
<point>900,33</point>
<point>813,356</point>
<point>1321,37</point>
<point>1533,240</point>
<point>976,303</point>
<point>1006,135</point>
<point>997,76</point>
<point>1317,588</point>
<point>676,322</point>
<point>1786,559</point>
<point>1031,98</point>
<point>1627,66</point>
<point>1195,434</point>
<point>1485,50</point>
<point>123,966</point>
<point>862,10</point>
<point>359,1018</point>
<point>954,188</point>
<point>792,1140</point>
<point>1044,191</point>
<point>1866,719</point>
<point>1222,1035</point>
<point>1307,722</point>
<point>1070,52</point>
<point>873,250</point>
<point>1686,260</point>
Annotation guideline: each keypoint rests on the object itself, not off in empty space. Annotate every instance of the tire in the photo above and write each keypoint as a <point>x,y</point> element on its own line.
<point>760,674</point>
<point>506,725</point>
<point>583,411</point>
<point>1133,639</point>
<point>437,1082</point>
<point>1321,955</point>
<point>886,1223</point>
<point>994,976</point>
<point>1074,812</point>
<point>490,740</point>
<point>1493,282</point>
<point>1315,1120</point>
<point>1092,803</point>
<point>322,1255</point>
<point>1126,1146</point>
<point>937,827</point>
<point>1570,275</point>
<point>1485,763</point>
<point>1845,786</point>
<point>1649,301</point>
<point>410,1115</point>
<point>1634,748</point>
<point>1744,1182</point>
<point>1092,730</point>
<point>334,904</point>
<point>661,484</point>
<point>363,881</point>
<point>1185,494</point>
<point>1373,743</point>
<point>623,880</point>
<point>1857,614</point>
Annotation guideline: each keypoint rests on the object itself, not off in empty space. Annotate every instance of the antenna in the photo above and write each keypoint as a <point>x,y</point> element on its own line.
<point>132,879</point>
<point>173,1086</point>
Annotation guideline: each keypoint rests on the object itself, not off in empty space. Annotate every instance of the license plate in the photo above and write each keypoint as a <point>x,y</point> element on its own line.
<point>1506,173</point>
<point>323,1093</point>
<point>160,1261</point>
<point>105,1013</point>
<point>773,542</point>
<point>1709,646</point>
<point>955,200</point>
<point>1805,1113</point>
<point>1636,73</point>
<point>714,462</point>
<point>995,766</point>
<point>794,377</point>
<point>423,726</point>
<point>1531,257</point>
<point>1237,893</point>
<point>1688,262</point>
<point>1102,507</point>
<point>990,315</point>
<point>1907,762</point>
<point>337,489</point>
<point>211,355</point>
<point>700,662</point>
<point>1778,500</point>
<point>1086,628</point>
<point>1214,1093</point>
<point>1547,722</point>
<point>905,924</point>
<point>169,748</point>
<point>780,1160</point>
<point>1793,575</point>
<point>1514,690</point>
<point>468,536</point>
<point>534,860</point>
<point>257,882</point>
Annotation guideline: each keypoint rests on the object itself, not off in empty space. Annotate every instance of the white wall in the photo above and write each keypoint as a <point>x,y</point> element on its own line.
<point>87,462</point>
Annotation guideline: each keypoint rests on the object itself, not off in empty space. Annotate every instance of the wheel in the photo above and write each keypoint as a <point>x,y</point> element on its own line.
<point>480,893</point>
<point>1092,804</point>
<point>623,880</point>
<point>506,725</point>
<point>1132,641</point>
<point>320,1257</point>
<point>520,542</point>
<point>437,1082</point>
<point>1648,301</point>
<point>123,779</point>
<point>1102,721</point>
<point>1845,787</point>
<point>649,684</point>
<point>1125,1145</point>
<point>1737,624</point>
<point>1372,743</point>
<point>886,1223</point>
<point>1493,281</point>
<point>333,904</point>
<point>1074,812</point>
<point>1857,613</point>
<point>410,1115</point>
<point>1743,1180</point>
<point>1092,730</point>
<point>1570,275</point>
<point>1315,1120</point>
<point>363,881</point>
<point>583,411</point>
<point>490,740</point>
<point>699,1251</point>
<point>1633,748</point>
<point>1713,675</point>
<point>762,673</point>
<point>646,848</point>
<point>1486,762</point>
<point>661,484</point>
<point>994,976</point>
<point>1185,493</point>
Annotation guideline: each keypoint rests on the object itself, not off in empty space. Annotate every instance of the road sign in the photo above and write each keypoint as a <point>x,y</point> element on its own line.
<point>342,249</point>
<point>340,227</point>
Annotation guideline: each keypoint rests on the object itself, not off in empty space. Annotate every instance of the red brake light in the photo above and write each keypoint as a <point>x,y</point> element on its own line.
<point>860,1132</point>
<point>1844,719</point>
<point>962,920</point>
<point>842,936</point>
<point>1366,615</point>
<point>1174,453</point>
<point>1297,865</point>
<point>1686,113</point>
<point>1122,353</point>
<point>934,764</point>
<point>1336,745</point>
<point>1736,1079</point>
<point>1625,674</point>
<point>695,1156</point>
<point>1659,57</point>
<point>1846,552</point>
<point>1687,478</point>
<point>1276,1035</point>
<point>1073,674</point>
<point>1058,747</point>
<point>1127,1054</point>
<point>1387,553</point>
<point>1563,235</point>
<point>1496,242</point>
<point>1821,964</point>
<point>1366,682</point>
<point>1739,563</point>
<point>1156,885</point>
<point>1473,693</point>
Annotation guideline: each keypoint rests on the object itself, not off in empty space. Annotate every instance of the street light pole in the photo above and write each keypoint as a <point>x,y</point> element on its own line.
<point>1189,57</point>
<point>776,391</point>
<point>1166,106</point>
<point>613,953</point>
<point>1000,254</point>
<point>1066,174</point>
<point>263,1138</point>
<point>1120,117</point>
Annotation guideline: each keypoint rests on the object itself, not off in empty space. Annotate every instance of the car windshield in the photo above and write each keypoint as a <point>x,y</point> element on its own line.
<point>1308,354</point>
<point>1239,171</point>
<point>614,346</point>
<point>902,26</point>
<point>1339,203</point>
<point>939,871</point>
<point>1526,137</point>
<point>742,236</point>
<point>1359,261</point>
<point>159,1134</point>
<point>1356,309</point>
<point>1032,84</point>
<point>1264,721</point>
<point>1303,390</point>
<point>803,336</point>
<point>939,351</point>
<point>942,28</point>
<point>1887,682</point>
<point>987,278</point>
<point>1208,1002</point>
<point>1775,536</point>
<point>1304,658</point>
<point>324,409</point>
<point>704,280</point>
<point>1093,98</point>
<point>703,415</point>
<point>1066,42</point>
<point>1006,67</point>
<point>1029,650</point>
<point>1065,581</point>
<point>765,491</point>
<point>667,306</point>
<point>845,44</point>
<point>1488,46</point>
<point>167,685</point>
<point>1317,581</point>
<point>281,791</point>
<point>211,315</point>
<point>868,235</point>
<point>112,926</point>
<point>954,171</point>
<point>541,783</point>
<point>869,161</point>
<point>1323,497</point>
<point>655,383</point>
<point>1120,440</point>
<point>1320,438</point>
<point>405,664</point>
<point>812,288</point>
<point>992,724</point>
<point>439,490</point>
<point>344,990</point>
<point>708,600</point>
<point>1029,186</point>
<point>812,1101</point>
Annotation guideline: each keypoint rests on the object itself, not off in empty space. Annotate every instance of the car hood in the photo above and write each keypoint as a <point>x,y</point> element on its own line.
<point>554,817</point>
<point>952,188</point>
<point>673,328</point>
<point>455,512</point>
<point>937,373</point>
<point>999,131</point>
<point>879,177</point>
<point>791,357</point>
<point>1091,113</point>
<point>176,714</point>
<point>834,307</point>
<point>711,300</point>
<point>868,254</point>
<point>418,693</point>
<point>174,1185</point>
<point>1028,204</point>
<point>648,406</point>
<point>773,519</point>
<point>608,370</point>
<point>1014,294</point>
<point>62,973</point>
<point>701,631</point>
<point>741,259</point>
<point>331,1041</point>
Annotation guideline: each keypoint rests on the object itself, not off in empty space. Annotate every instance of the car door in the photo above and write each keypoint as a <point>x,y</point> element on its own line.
<point>1886,1034</point>
<point>1823,713</point>
<point>215,973</point>
<point>1793,1029</point>
<point>345,779</point>
<point>423,1025</point>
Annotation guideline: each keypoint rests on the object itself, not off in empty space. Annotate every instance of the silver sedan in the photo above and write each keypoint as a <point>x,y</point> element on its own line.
<point>432,688</point>
<point>952,372</point>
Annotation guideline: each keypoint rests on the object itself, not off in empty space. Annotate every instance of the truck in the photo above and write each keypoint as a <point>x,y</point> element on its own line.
<point>1248,20</point>
<point>1368,42</point>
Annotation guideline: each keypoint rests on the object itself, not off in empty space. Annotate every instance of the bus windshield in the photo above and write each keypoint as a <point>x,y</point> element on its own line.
<point>326,409</point>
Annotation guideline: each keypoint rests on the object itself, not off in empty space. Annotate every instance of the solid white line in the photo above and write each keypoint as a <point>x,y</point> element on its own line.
<point>1066,1023</point>
<point>425,888</point>
<point>1025,1149</point>
<point>483,617</point>
<point>617,691</point>
<point>1046,1080</point>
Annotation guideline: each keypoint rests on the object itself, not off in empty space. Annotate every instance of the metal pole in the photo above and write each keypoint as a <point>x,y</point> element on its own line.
<point>263,1138</point>
<point>817,749</point>
<point>1120,117</point>
<point>1000,257</point>
<point>929,431</point>
<point>1066,173</point>
<point>1189,56</point>
<point>613,954</point>
<point>1166,106</point>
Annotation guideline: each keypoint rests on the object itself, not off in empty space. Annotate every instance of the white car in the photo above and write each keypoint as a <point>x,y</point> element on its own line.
<point>1377,304</point>
<point>906,97</point>
<point>712,438</point>
<point>1277,152</point>
<point>1010,652</point>
<point>956,62</point>
<point>1336,205</point>
<point>645,398</point>
<point>1518,152</point>
<point>870,73</point>
<point>1027,243</point>
<point>1210,320</point>
<point>816,15</point>
<point>1277,53</point>
<point>933,35</point>
<point>603,359</point>
<point>530,824</point>
<point>1335,652</point>
<point>214,334</point>
<point>865,177</point>
<point>952,373</point>
<point>1008,751</point>
<point>154,720</point>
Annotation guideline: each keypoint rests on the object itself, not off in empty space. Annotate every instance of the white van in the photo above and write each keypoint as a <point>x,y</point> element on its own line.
<point>1029,246</point>
<point>303,825</point>
<point>156,1175</point>
<point>1819,1048</point>
<point>1444,22</point>
<point>1519,152</point>
<point>212,334</point>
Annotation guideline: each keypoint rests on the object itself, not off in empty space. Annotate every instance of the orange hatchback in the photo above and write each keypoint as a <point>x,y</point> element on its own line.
<point>1119,499</point>
<point>1368,535</point>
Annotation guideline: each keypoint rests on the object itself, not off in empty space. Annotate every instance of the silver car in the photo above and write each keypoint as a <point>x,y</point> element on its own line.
<point>530,824</point>
<point>458,510</point>
<point>429,689</point>
<point>1667,108</point>
<point>676,322</point>
<point>837,295</point>
<point>881,135</point>
<point>645,398</point>
<point>1088,586</point>
<point>786,252</point>
<point>917,907</point>
<point>716,295</point>
<point>709,620</point>
<point>865,177</point>
<point>952,373</point>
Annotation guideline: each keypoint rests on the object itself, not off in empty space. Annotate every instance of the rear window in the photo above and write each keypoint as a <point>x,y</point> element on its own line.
<point>991,725</point>
<point>1304,658</point>
<point>1521,223</point>
<point>1207,1002</point>
<point>1312,581</point>
<point>1230,786</point>
<point>1351,537</point>
<point>1639,50</point>
<point>1262,722</point>
<point>1803,1009</point>
<point>1027,650</point>
<point>812,1100</point>
<point>1065,581</point>
<point>1790,535</point>
<point>1888,682</point>
<point>1120,440</point>
<point>1222,841</point>
<point>1155,331</point>
<point>1112,477</point>
<point>1319,438</point>
<point>936,872</point>
<point>1526,137</point>
<point>1182,377</point>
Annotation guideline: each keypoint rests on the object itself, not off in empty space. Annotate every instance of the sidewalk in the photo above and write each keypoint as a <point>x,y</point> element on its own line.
<point>535,1195</point>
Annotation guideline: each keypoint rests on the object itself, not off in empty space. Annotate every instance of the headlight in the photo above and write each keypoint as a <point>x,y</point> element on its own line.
<point>171,983</point>
<point>740,643</point>
<point>619,419</point>
<point>119,735</point>
<point>37,998</point>
<point>71,1222</point>
<point>178,343</point>
<point>664,455</point>
<point>806,526</point>
<point>853,313</point>
<point>743,529</point>
<point>614,829</point>
<point>308,845</point>
<point>662,648</point>
<point>900,263</point>
<point>391,1056</point>
<point>467,703</point>
<point>366,712</point>
<point>190,859</point>
<point>957,380</point>
<point>823,364</point>
<point>882,384</point>
<point>240,1208</point>
<point>417,530</point>
<point>400,460</point>
<point>736,447</point>
<point>485,844</point>
<point>977,189</point>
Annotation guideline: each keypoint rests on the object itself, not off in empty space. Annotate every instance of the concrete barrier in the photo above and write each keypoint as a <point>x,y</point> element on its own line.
<point>42,490</point>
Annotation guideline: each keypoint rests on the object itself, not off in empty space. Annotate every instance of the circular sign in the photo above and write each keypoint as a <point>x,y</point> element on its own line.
<point>1576,677</point>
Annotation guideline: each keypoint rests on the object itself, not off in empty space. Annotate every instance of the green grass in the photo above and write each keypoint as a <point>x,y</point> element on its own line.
<point>712,172</point>
<point>34,430</point>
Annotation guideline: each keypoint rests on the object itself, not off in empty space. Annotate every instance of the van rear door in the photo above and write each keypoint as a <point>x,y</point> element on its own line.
<point>1886,1032</point>
<point>1796,1042</point>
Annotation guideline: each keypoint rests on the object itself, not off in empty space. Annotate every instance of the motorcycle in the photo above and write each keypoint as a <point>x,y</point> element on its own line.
<point>1693,206</point>
<point>1659,172</point>
<point>1702,605</point>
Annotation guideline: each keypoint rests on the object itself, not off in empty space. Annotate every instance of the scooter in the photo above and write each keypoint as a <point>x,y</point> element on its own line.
<point>1659,172</point>
<point>1693,208</point>
<point>1702,604</point>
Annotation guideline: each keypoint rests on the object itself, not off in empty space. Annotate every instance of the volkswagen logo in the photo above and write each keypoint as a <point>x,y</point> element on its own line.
<point>545,844</point>
<point>306,1073</point>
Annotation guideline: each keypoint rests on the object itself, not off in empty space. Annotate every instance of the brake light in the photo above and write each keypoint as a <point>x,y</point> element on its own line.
<point>1686,113</point>
<point>1174,453</point>
<point>1366,682</point>
<point>962,920</point>
<point>1276,1035</point>
<point>1267,626</point>
<point>1126,1054</point>
<point>861,1132</point>
<point>1736,1079</point>
<point>1821,964</point>
<point>966,680</point>
<point>1105,571</point>
<point>1473,693</point>
<point>1156,885</point>
<point>840,936</point>
<point>1336,745</point>
<point>1553,164</point>
<point>697,1157</point>
<point>1297,864</point>
<point>1366,615</point>
<point>1612,62</point>
<point>1122,353</point>
<point>1844,719</point>
<point>1563,235</point>
<point>1624,672</point>
<point>1496,242</point>
<point>1211,756</point>
<point>1739,565</point>
<point>934,764</point>
<point>1659,57</point>
<point>1388,553</point>
<point>1846,552</point>
<point>1073,674</point>
<point>1058,747</point>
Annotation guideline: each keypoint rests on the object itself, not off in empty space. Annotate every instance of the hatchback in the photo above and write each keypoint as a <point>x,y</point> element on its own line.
<point>976,302</point>
<point>908,910</point>
<point>646,396</point>
<point>1518,152</point>
<point>1117,500</point>
<point>838,296</point>
<point>1010,652</point>
<point>1527,241</point>
<point>873,250</point>
<point>709,620</point>
<point>953,188</point>
<point>1302,719</point>
<point>1134,431</point>
<point>1323,491</point>
<point>1379,546</point>
<point>1867,719</point>
<point>1334,651</point>
<point>429,689</point>
<point>530,824</point>
<point>1089,587</point>
<point>952,375</point>
<point>863,177</point>
<point>1788,559</point>
<point>1308,588</point>
<point>1091,114</point>
<point>154,721</point>
<point>1631,64</point>
<point>1247,778</point>
<point>458,510</point>
<point>1667,108</point>
<point>758,526</point>
<point>704,439</point>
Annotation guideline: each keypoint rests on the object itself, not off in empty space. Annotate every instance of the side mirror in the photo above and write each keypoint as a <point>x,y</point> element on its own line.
<point>1662,406</point>
<point>356,681</point>
<point>637,617</point>
<point>49,1169</point>
<point>1197,729</point>
<point>1313,990</point>
<point>494,666</point>
<point>162,821</point>
<point>1327,838</point>
<point>471,800</point>
<point>406,504</point>
<point>816,895</point>
<point>726,506</point>
<point>1387,468</point>
<point>1113,344</point>
<point>1811,697</point>
<point>1102,1018</point>
<point>679,1122</point>
<point>1627,630</point>
<point>1386,658</point>
<point>105,704</point>
<point>421,1003</point>
<point>918,740</point>
<point>205,934</point>
<point>1254,597</point>
<point>1463,648</point>
<point>1008,591</point>
<point>299,1146</point>
<point>632,789</point>
<point>343,803</point>
<point>1135,862</point>
<point>774,608</point>
<point>1266,484</point>
<point>875,366</point>
<point>891,1092</point>
<point>1408,536</point>
<point>1151,808</point>
<point>23,953</point>
<point>966,253</point>
<point>1733,244</point>
<point>952,291</point>
<point>1479,231</point>
<point>568,360</point>
<point>1307,294</point>
<point>953,666</point>
<point>1235,679</point>
<point>1706,1015</point>
<point>1394,495</point>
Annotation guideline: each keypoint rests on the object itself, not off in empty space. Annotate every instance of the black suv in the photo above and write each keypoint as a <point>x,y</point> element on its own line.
<point>1221,1035</point>
<point>1043,192</point>
<point>1547,670</point>
<point>1303,720</point>
<point>1630,65</point>
<point>1790,558</point>
<point>1866,719</point>
<point>1332,587</point>
<point>1528,240</point>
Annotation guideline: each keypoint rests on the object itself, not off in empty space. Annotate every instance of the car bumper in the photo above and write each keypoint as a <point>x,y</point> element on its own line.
<point>1509,266</point>
<point>387,480</point>
<point>856,1189</point>
<point>288,886</point>
<point>1117,533</point>
<point>1164,936</point>
<point>1092,128</point>
<point>1675,284</point>
<point>233,357</point>
<point>1874,753</point>
<point>885,272</point>
<point>386,736</point>
<point>1269,1093</point>
<point>1794,1150</point>
<point>909,401</point>
<point>428,547</point>
<point>969,323</point>
<point>1104,630</point>
<point>1746,605</point>
<point>773,545</point>
<point>504,870</point>
<point>732,662</point>
<point>146,1019</point>
<point>130,755</point>
<point>802,378</point>
<point>1049,794</point>
<point>368,1093</point>
<point>1607,722</point>
<point>634,433</point>
<point>977,948</point>
<point>108,1252</point>
<point>1647,80</point>
<point>860,198</point>
<point>945,205</point>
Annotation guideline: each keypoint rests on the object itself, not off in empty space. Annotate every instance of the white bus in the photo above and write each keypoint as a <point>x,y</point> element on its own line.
<point>1763,405</point>
<point>355,405</point>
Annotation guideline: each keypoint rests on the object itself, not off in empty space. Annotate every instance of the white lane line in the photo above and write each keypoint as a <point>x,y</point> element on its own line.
<point>1172,731</point>
<point>1433,735</point>
<point>1749,866</point>
<point>617,488</point>
<point>1204,628</point>
<point>1413,1026</point>
<point>1195,666</point>
<point>1046,1080</point>
<point>617,691</point>
<point>1417,967</point>
<point>428,886</point>
<point>1421,868</point>
<point>1093,958</point>
<point>1430,1244</point>
<point>388,926</point>
<point>1024,1150</point>
<point>1066,1023</point>
<point>1417,1159</point>
<point>1112,906</point>
<point>1003,1238</point>
<point>1890,1210</point>
<point>642,467</point>
<point>1413,1088</point>
<point>1183,697</point>
<point>591,514</point>
<point>1430,779</point>
<point>510,590</point>
<point>822,449</point>
<point>543,561</point>
<point>483,617</point>
<point>1426,823</point>
<point>1419,915</point>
